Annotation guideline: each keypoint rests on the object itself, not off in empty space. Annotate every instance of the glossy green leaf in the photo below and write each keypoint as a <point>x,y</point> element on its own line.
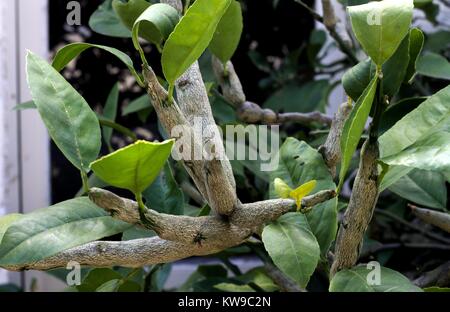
<point>422,187</point>
<point>381,26</point>
<point>298,164</point>
<point>70,121</point>
<point>164,195</point>
<point>158,20</point>
<point>129,11</point>
<point>357,78</point>
<point>6,221</point>
<point>106,22</point>
<point>354,127</point>
<point>47,231</point>
<point>416,40</point>
<point>133,167</point>
<point>430,153</point>
<point>394,70</point>
<point>71,51</point>
<point>137,105</point>
<point>434,65</point>
<point>292,246</point>
<point>356,280</point>
<point>191,37</point>
<point>228,33</point>
<point>110,112</point>
<point>430,116</point>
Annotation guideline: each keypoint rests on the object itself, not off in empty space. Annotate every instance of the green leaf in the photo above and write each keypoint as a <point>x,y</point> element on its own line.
<point>381,26</point>
<point>71,51</point>
<point>6,221</point>
<point>133,167</point>
<point>422,187</point>
<point>434,65</point>
<point>70,121</point>
<point>304,98</point>
<point>109,286</point>
<point>129,11</point>
<point>397,111</point>
<point>138,105</point>
<point>394,70</point>
<point>354,127</point>
<point>191,37</point>
<point>159,21</point>
<point>158,277</point>
<point>96,278</point>
<point>438,41</point>
<point>298,164</point>
<point>355,280</point>
<point>228,33</point>
<point>164,195</point>
<point>430,153</point>
<point>416,40</point>
<point>393,174</point>
<point>357,78</point>
<point>47,231</point>
<point>292,246</point>
<point>430,116</point>
<point>105,21</point>
<point>110,112</point>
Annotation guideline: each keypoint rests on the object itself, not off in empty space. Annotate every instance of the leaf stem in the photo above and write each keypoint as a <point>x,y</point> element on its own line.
<point>379,108</point>
<point>111,124</point>
<point>85,181</point>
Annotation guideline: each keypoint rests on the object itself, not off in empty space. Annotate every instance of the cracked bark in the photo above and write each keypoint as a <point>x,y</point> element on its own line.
<point>178,235</point>
<point>359,211</point>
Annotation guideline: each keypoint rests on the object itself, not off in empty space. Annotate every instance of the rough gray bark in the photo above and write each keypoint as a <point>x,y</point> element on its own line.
<point>331,149</point>
<point>359,211</point>
<point>183,236</point>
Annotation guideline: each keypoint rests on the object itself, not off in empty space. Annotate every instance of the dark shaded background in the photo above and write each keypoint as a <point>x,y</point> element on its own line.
<point>274,28</point>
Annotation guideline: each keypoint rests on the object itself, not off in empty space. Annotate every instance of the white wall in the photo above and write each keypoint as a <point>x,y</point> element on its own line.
<point>24,143</point>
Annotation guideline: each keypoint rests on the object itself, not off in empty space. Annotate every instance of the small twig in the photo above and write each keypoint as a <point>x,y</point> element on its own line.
<point>439,219</point>
<point>417,228</point>
<point>284,282</point>
<point>119,128</point>
<point>329,20</point>
<point>251,112</point>
<point>193,193</point>
<point>438,277</point>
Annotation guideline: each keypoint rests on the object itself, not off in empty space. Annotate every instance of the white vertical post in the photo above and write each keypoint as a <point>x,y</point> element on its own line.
<point>24,143</point>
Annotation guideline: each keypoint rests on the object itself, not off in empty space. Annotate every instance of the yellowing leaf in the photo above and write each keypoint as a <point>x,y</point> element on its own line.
<point>281,188</point>
<point>302,191</point>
